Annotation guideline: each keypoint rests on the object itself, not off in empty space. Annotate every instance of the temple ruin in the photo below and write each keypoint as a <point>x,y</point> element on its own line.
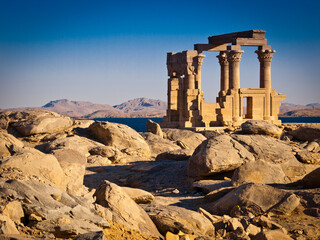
<point>186,105</point>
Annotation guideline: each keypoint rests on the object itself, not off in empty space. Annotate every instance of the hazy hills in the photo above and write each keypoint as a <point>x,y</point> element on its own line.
<point>145,107</point>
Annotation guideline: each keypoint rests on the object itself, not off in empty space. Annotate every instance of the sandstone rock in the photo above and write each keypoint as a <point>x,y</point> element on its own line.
<point>73,165</point>
<point>38,121</point>
<point>207,186</point>
<point>4,121</point>
<point>272,235</point>
<point>252,230</point>
<point>175,219</point>
<point>313,147</point>
<point>159,145</point>
<point>261,127</point>
<point>154,128</point>
<point>312,180</point>
<point>257,199</point>
<point>35,163</point>
<point>305,156</point>
<point>109,152</point>
<point>177,155</point>
<point>6,141</point>
<point>258,172</point>
<point>91,236</point>
<point>306,133</point>
<point>14,211</point>
<point>138,195</point>
<point>7,226</point>
<point>121,136</point>
<point>217,154</point>
<point>76,143</point>
<point>190,139</point>
<point>125,210</point>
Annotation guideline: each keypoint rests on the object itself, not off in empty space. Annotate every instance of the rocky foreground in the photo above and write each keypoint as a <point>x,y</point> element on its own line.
<point>67,179</point>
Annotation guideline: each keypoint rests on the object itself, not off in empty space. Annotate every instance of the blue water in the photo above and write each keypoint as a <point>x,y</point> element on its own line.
<point>139,124</point>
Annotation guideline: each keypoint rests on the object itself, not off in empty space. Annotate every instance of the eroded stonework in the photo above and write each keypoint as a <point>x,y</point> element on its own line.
<point>186,105</point>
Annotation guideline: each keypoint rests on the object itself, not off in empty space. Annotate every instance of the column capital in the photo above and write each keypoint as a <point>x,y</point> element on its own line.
<point>222,57</point>
<point>200,59</point>
<point>234,55</point>
<point>265,55</point>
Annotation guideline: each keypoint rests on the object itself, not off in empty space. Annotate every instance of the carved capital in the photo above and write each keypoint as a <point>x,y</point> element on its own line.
<point>265,55</point>
<point>200,59</point>
<point>223,59</point>
<point>234,55</point>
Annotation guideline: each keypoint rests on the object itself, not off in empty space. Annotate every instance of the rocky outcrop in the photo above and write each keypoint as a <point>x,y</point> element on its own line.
<point>154,128</point>
<point>6,142</point>
<point>187,138</point>
<point>308,157</point>
<point>217,154</point>
<point>174,219</point>
<point>122,137</point>
<point>34,163</point>
<point>138,195</point>
<point>31,122</point>
<point>261,127</point>
<point>124,210</point>
<point>306,133</point>
<point>257,199</point>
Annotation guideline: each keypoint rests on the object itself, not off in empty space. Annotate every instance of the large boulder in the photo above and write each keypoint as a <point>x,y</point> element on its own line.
<point>154,128</point>
<point>121,136</point>
<point>255,198</point>
<point>35,163</point>
<point>158,144</point>
<point>312,179</point>
<point>6,142</point>
<point>76,143</point>
<point>261,127</point>
<point>258,172</point>
<point>73,165</point>
<point>138,195</point>
<point>31,122</point>
<point>124,210</point>
<point>175,219</point>
<point>218,154</point>
<point>306,133</point>
<point>186,138</point>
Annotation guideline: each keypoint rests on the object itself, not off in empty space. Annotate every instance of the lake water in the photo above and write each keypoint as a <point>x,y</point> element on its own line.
<point>139,124</point>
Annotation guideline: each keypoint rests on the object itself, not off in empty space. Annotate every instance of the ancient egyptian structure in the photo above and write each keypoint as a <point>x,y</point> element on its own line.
<point>186,105</point>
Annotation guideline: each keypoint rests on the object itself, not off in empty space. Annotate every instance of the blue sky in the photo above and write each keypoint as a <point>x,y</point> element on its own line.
<point>113,51</point>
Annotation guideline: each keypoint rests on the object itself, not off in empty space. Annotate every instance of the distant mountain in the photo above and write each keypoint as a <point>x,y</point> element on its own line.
<point>142,105</point>
<point>292,110</point>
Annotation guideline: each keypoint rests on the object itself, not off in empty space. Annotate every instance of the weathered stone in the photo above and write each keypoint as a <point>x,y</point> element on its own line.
<point>175,219</point>
<point>4,121</point>
<point>252,230</point>
<point>312,179</point>
<point>190,139</point>
<point>177,155</point>
<point>258,172</point>
<point>14,211</point>
<point>308,157</point>
<point>38,121</point>
<point>234,224</point>
<point>306,133</point>
<point>159,145</point>
<point>6,141</point>
<point>138,195</point>
<point>35,163</point>
<point>91,236</point>
<point>261,127</point>
<point>272,235</point>
<point>7,226</point>
<point>257,199</point>
<point>217,154</point>
<point>207,186</point>
<point>109,152</point>
<point>154,128</point>
<point>76,143</point>
<point>73,165</point>
<point>125,210</point>
<point>313,147</point>
<point>121,136</point>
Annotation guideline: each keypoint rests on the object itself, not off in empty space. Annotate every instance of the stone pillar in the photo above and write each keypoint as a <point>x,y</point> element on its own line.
<point>190,77</point>
<point>234,57</point>
<point>224,73</point>
<point>198,76</point>
<point>265,58</point>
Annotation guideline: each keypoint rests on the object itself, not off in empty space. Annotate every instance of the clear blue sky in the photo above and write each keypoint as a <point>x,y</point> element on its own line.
<point>113,51</point>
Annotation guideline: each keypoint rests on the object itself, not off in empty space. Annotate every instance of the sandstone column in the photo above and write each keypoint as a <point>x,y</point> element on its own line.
<point>234,57</point>
<point>198,76</point>
<point>265,57</point>
<point>224,73</point>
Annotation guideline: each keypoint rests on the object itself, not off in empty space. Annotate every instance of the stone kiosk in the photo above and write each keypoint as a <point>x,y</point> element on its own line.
<point>186,105</point>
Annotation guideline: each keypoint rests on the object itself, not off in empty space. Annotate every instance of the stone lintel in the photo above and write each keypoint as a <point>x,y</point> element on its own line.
<point>249,42</point>
<point>210,47</point>
<point>234,47</point>
<point>230,37</point>
<point>252,91</point>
